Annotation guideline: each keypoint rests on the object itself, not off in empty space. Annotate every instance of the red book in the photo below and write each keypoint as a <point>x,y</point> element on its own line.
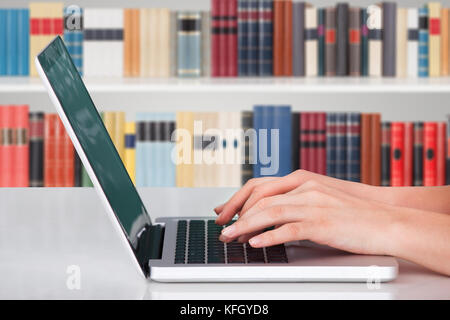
<point>397,153</point>
<point>49,150</point>
<point>278,38</point>
<point>68,163</point>
<point>215,38</point>
<point>304,141</point>
<point>429,157</point>
<point>6,146</point>
<point>312,141</point>
<point>223,52</point>
<point>409,154</point>
<point>232,38</point>
<point>321,143</point>
<point>440,155</point>
<point>21,177</point>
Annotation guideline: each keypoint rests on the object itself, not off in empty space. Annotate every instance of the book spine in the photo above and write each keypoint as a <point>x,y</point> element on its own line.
<point>331,144</point>
<point>68,162</point>
<point>389,38</point>
<point>342,39</point>
<point>206,44</point>
<point>163,43</point>
<point>312,154</point>
<point>6,146</point>
<point>366,148</point>
<point>441,153</point>
<point>130,150</point>
<point>305,141</point>
<point>434,39</point>
<point>430,151</point>
<point>448,151</point>
<point>21,177</point>
<point>77,171</point>
<point>321,42</point>
<point>215,38</point>
<point>354,147</point>
<point>127,42</point>
<point>36,160</point>
<point>243,37</point>
<point>136,44</point>
<point>375,24</point>
<point>385,154</point>
<point>23,42</point>
<point>189,44</point>
<point>311,42</point>
<point>364,30</point>
<point>231,37</point>
<point>341,146</point>
<point>376,149</point>
<point>287,28</point>
<point>295,141</point>
<point>73,35</point>
<point>247,165</point>
<point>418,154</point>
<point>282,122</point>
<point>397,153</point>
<point>3,37</point>
<point>265,43</point>
<point>413,42</point>
<point>322,143</point>
<point>141,152</point>
<point>278,37</point>
<point>445,41</point>
<point>49,150</point>
<point>330,42</point>
<point>119,134</point>
<point>423,61</point>
<point>266,167</point>
<point>11,42</point>
<point>354,40</point>
<point>402,42</point>
<point>298,41</point>
<point>253,38</point>
<point>222,37</point>
<point>409,155</point>
<point>60,161</point>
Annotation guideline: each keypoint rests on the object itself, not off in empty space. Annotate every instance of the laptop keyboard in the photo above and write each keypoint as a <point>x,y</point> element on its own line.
<point>198,242</point>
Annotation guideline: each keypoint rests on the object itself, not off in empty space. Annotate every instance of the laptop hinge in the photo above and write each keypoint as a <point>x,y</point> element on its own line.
<point>150,245</point>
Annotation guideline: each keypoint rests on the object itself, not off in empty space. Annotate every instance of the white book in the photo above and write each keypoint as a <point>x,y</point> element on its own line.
<point>311,45</point>
<point>91,45</point>
<point>115,45</point>
<point>237,150</point>
<point>413,42</point>
<point>375,25</point>
<point>402,42</point>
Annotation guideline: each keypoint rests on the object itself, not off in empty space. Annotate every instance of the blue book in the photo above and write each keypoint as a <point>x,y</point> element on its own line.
<point>353,147</point>
<point>3,50</point>
<point>266,153</point>
<point>73,35</point>
<point>142,141</point>
<point>321,42</point>
<point>23,33</point>
<point>341,146</point>
<point>11,42</point>
<point>189,44</point>
<point>257,125</point>
<point>423,42</point>
<point>282,121</point>
<point>265,43</point>
<point>331,144</point>
<point>243,6</point>
<point>253,38</point>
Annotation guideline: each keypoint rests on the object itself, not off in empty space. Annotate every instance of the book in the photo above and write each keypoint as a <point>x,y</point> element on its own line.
<point>131,42</point>
<point>330,42</point>
<point>21,150</point>
<point>59,160</point>
<point>281,122</point>
<point>385,154</point>
<point>353,137</point>
<point>445,41</point>
<point>311,41</point>
<point>119,133</point>
<point>243,37</point>
<point>287,35</point>
<point>36,159</point>
<point>73,35</point>
<point>77,171</point>
<point>295,141</point>
<point>321,143</point>
<point>142,142</point>
<point>6,145</point>
<point>231,38</point>
<point>321,42</point>
<point>402,43</point>
<point>331,144</point>
<point>130,150</point>
<point>312,154</point>
<point>413,42</point>
<point>68,159</point>
<point>376,149</point>
<point>434,39</point>
<point>364,30</point>
<point>341,146</point>
<point>441,153</point>
<point>342,32</point>
<point>366,148</point>
<point>430,151</point>
<point>11,42</point>
<point>278,37</point>
<point>305,144</point>
<point>397,153</point>
<point>247,146</point>
<point>265,41</point>
<point>160,48</point>
<point>185,149</point>
<point>298,39</point>
<point>216,35</point>
<point>252,38</point>
<point>189,44</point>
<point>389,38</point>
<point>354,41</point>
<point>50,137</point>
<point>375,25</point>
<point>173,44</point>
<point>408,154</point>
<point>206,44</point>
<point>418,154</point>
<point>423,43</point>
<point>23,43</point>
<point>3,36</point>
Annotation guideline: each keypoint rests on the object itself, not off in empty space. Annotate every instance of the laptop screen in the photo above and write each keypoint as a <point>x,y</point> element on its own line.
<point>94,139</point>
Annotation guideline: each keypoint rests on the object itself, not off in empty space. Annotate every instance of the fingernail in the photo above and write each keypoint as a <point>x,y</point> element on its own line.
<point>254,241</point>
<point>228,231</point>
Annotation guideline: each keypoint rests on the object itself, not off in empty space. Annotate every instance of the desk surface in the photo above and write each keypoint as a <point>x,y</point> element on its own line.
<point>43,232</point>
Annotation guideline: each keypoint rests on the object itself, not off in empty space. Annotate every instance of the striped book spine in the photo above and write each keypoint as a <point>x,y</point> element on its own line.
<point>189,44</point>
<point>331,144</point>
<point>418,154</point>
<point>434,39</point>
<point>341,146</point>
<point>375,25</point>
<point>253,38</point>
<point>73,35</point>
<point>21,177</point>
<point>423,42</point>
<point>6,145</point>
<point>265,45</point>
<point>330,42</point>
<point>413,42</point>
<point>364,43</point>
<point>311,41</point>
<point>243,37</point>
<point>321,42</point>
<point>385,154</point>
<point>36,168</point>
<point>130,150</point>
<point>354,147</point>
<point>231,38</point>
<point>321,139</point>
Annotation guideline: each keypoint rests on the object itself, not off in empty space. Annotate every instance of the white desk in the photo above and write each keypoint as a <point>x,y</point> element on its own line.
<point>43,231</point>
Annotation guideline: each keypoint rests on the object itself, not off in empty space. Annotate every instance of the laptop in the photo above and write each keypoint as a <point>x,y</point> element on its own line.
<point>182,249</point>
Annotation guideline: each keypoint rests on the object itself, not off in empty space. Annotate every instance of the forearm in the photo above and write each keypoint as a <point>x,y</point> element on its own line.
<point>421,237</point>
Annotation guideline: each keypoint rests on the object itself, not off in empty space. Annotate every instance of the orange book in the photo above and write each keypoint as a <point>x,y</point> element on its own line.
<point>127,42</point>
<point>135,43</point>
<point>287,43</point>
<point>278,37</point>
<point>49,150</point>
<point>444,41</point>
